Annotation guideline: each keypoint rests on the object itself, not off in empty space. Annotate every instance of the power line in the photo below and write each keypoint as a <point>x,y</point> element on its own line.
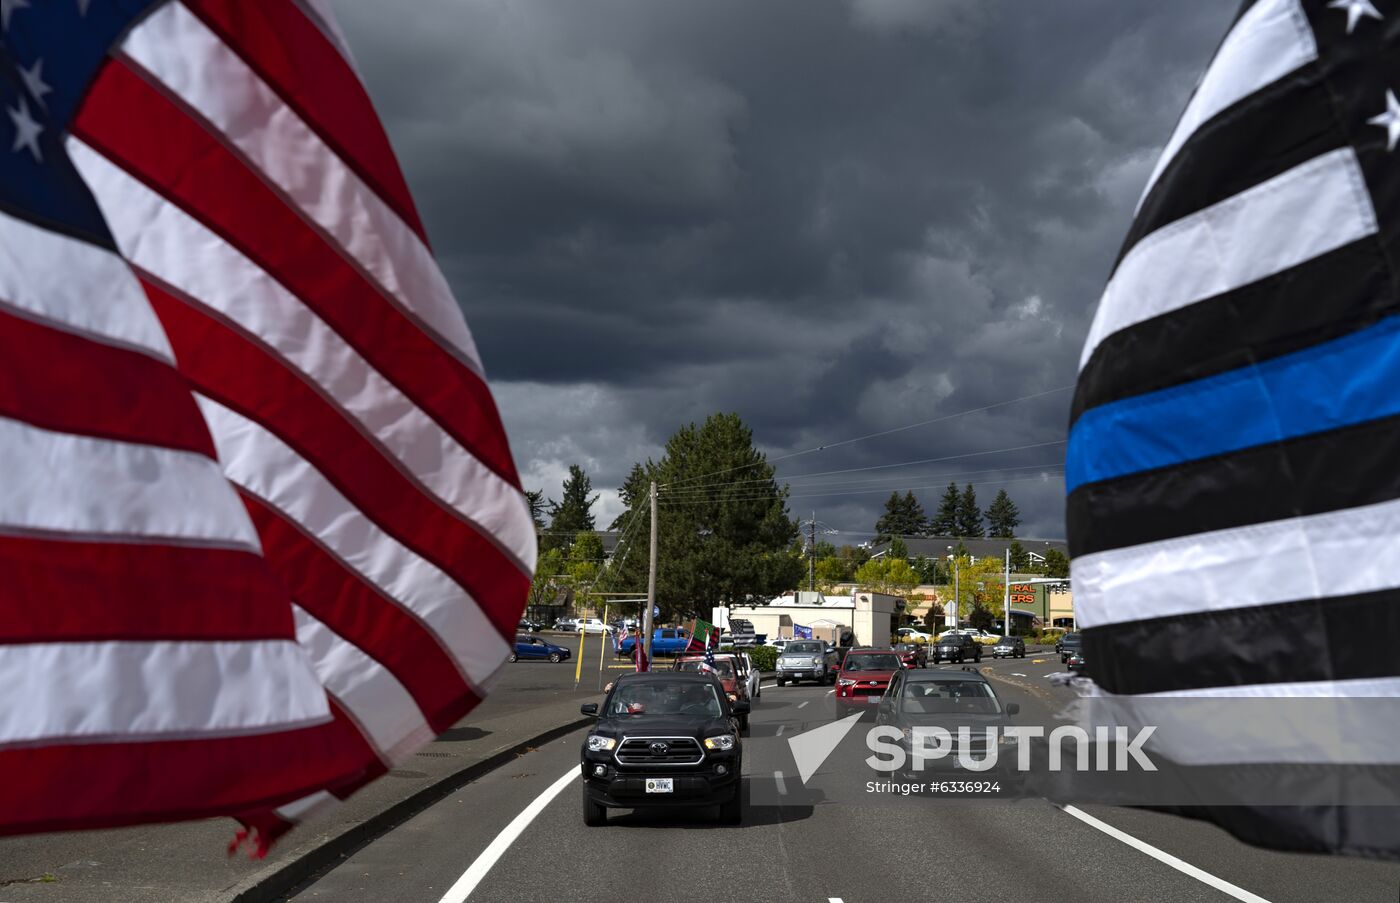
<point>898,429</point>
<point>994,451</point>
<point>887,482</point>
<point>769,497</point>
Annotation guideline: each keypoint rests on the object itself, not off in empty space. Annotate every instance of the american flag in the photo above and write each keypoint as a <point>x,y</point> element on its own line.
<point>261,531</point>
<point>1234,506</point>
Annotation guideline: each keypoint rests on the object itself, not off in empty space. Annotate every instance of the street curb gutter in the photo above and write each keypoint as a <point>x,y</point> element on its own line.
<point>316,861</point>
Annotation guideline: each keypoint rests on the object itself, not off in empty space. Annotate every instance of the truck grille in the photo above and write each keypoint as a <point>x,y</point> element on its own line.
<point>650,751</point>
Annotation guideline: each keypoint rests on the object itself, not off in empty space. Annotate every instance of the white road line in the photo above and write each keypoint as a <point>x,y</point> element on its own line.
<point>834,900</point>
<point>829,692</point>
<point>803,702</point>
<point>460,891</point>
<point>1186,868</point>
<point>782,785</point>
<point>781,727</point>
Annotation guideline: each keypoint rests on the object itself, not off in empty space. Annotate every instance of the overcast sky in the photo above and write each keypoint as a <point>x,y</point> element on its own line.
<point>834,217</point>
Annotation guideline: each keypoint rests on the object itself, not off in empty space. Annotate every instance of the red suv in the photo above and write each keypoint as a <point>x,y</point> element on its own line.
<point>864,675</point>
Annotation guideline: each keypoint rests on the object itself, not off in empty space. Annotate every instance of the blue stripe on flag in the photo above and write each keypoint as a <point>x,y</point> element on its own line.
<point>1336,384</point>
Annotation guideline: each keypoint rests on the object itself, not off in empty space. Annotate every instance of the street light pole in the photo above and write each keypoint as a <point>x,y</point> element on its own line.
<point>1006,590</point>
<point>651,581</point>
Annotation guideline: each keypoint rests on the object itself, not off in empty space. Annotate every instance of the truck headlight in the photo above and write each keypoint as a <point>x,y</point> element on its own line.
<point>722,742</point>
<point>600,744</point>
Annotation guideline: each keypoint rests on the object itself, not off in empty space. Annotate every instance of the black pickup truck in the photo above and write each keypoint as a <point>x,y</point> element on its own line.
<point>663,738</point>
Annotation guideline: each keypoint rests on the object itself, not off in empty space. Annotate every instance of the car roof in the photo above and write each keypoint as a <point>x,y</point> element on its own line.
<point>864,649</point>
<point>932,674</point>
<point>637,677</point>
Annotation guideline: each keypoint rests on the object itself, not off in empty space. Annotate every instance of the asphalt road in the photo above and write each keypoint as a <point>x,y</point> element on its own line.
<point>852,851</point>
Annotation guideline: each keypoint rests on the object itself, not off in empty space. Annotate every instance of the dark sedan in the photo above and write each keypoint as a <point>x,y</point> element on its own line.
<point>532,647</point>
<point>1009,647</point>
<point>1069,644</point>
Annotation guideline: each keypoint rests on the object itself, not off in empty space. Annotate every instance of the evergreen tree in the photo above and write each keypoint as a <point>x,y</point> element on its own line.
<point>898,550</point>
<point>1020,558</point>
<point>572,513</point>
<point>903,516</point>
<point>945,522</point>
<point>969,518</point>
<point>1056,564</point>
<point>1003,517</point>
<point>538,505</point>
<point>724,533</point>
<point>634,493</point>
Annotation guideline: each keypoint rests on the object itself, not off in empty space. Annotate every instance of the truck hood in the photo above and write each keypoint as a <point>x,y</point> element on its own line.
<point>663,726</point>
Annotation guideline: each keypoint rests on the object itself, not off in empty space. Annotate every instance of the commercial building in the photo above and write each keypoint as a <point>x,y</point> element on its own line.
<point>861,618</point>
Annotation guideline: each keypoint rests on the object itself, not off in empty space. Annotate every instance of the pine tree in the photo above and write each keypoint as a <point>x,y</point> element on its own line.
<point>573,512</point>
<point>1020,558</point>
<point>1003,517</point>
<point>903,516</point>
<point>945,522</point>
<point>538,505</point>
<point>969,517</point>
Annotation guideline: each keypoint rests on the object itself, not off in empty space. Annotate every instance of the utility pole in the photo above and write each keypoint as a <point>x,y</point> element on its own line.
<point>957,596</point>
<point>1006,590</point>
<point>812,555</point>
<point>651,581</point>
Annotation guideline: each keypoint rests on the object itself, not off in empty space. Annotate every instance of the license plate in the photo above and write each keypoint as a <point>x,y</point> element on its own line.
<point>872,699</point>
<point>660,785</point>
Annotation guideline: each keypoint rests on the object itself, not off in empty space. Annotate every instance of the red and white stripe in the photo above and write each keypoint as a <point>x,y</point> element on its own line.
<point>341,449</point>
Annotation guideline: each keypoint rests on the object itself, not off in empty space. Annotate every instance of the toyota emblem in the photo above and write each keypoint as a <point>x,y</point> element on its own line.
<point>659,749</point>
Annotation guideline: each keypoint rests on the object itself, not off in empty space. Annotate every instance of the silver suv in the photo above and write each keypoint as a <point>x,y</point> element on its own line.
<point>807,660</point>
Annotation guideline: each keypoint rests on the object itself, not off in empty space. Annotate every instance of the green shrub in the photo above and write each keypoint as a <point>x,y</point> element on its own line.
<point>765,658</point>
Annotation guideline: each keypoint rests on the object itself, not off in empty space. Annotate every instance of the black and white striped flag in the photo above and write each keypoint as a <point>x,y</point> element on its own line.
<point>1234,459</point>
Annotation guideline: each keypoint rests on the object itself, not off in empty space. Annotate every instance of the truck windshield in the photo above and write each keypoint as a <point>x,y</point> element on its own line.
<point>657,697</point>
<point>805,647</point>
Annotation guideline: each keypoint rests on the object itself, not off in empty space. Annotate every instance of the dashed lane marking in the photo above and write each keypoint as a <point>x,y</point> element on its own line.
<point>803,703</point>
<point>782,785</point>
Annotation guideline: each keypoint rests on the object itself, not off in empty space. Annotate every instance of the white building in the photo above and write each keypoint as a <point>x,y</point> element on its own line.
<point>862,619</point>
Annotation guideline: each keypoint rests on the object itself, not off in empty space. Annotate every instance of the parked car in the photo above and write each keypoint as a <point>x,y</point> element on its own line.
<point>807,660</point>
<point>664,641</point>
<point>863,677</point>
<point>1068,644</point>
<point>912,655</point>
<point>533,647</point>
<point>946,699</point>
<point>568,625</point>
<point>591,625</point>
<point>957,647</point>
<point>1009,647</point>
<point>663,738</point>
<point>911,635</point>
<point>529,626</point>
<point>730,671</point>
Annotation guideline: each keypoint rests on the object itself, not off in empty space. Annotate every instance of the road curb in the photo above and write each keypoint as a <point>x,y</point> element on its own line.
<point>320,859</point>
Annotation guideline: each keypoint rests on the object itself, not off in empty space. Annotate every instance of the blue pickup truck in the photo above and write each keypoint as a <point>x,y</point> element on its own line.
<point>664,641</point>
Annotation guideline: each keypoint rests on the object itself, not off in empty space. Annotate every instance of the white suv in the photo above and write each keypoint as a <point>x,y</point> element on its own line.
<point>591,625</point>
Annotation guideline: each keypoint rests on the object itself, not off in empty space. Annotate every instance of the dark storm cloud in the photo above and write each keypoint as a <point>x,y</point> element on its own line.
<point>832,217</point>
